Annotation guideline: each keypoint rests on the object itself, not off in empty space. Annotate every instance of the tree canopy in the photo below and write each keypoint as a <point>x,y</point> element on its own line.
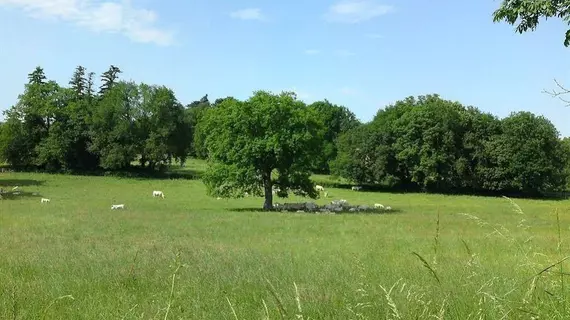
<point>438,145</point>
<point>526,14</point>
<point>267,141</point>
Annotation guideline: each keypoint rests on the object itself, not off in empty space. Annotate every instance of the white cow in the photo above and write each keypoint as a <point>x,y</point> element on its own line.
<point>117,206</point>
<point>157,193</point>
<point>319,188</point>
<point>356,188</point>
<point>378,206</point>
<point>44,200</point>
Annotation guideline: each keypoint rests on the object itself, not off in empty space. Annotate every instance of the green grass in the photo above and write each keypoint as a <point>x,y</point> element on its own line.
<point>193,257</point>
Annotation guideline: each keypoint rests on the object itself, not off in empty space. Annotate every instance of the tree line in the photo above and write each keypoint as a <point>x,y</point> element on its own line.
<point>425,143</point>
<point>433,144</point>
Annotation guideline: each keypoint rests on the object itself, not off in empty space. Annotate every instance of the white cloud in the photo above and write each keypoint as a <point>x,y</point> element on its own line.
<point>355,11</point>
<point>345,53</point>
<point>248,14</point>
<point>110,16</point>
<point>312,51</point>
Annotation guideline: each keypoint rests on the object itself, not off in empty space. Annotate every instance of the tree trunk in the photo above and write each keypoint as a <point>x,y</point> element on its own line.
<point>268,204</point>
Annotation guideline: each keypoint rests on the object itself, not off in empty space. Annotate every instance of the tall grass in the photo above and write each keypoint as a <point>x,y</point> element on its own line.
<point>194,257</point>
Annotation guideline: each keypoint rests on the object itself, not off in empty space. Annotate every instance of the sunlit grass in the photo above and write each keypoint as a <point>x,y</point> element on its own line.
<point>189,256</point>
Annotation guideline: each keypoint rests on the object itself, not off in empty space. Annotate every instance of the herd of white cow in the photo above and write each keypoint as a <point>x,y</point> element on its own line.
<point>155,193</point>
<point>158,193</point>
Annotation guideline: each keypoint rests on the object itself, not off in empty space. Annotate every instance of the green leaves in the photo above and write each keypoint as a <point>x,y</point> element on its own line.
<point>337,120</point>
<point>525,14</point>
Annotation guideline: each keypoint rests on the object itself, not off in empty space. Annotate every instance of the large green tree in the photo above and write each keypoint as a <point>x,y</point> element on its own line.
<point>268,140</point>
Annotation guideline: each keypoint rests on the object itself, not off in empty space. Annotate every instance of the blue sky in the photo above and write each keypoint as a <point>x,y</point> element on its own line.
<point>363,54</point>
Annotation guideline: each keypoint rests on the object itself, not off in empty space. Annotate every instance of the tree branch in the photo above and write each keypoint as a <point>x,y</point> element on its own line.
<point>559,93</point>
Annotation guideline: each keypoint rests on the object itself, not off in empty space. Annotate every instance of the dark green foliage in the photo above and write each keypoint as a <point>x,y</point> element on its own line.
<point>108,79</point>
<point>337,120</point>
<point>161,124</point>
<point>250,141</point>
<point>355,151</point>
<point>526,14</point>
<point>527,156</point>
<point>194,113</point>
<point>439,145</point>
<point>79,84</point>
<point>57,128</point>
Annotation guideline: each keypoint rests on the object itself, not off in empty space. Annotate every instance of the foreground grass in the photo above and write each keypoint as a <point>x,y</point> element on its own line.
<point>193,257</point>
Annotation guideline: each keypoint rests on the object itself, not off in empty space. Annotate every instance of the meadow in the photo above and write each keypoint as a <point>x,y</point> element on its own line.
<point>190,256</point>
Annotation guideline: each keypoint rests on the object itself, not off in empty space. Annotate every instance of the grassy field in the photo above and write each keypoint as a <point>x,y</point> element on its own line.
<point>189,256</point>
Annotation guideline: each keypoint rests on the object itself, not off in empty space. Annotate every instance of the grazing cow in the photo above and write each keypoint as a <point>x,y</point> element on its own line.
<point>319,188</point>
<point>378,206</point>
<point>158,194</point>
<point>356,188</point>
<point>44,200</point>
<point>117,206</point>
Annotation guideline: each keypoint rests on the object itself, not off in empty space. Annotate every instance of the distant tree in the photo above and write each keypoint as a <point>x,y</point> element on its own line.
<point>527,156</point>
<point>37,76</point>
<point>356,154</point>
<point>161,122</point>
<point>78,82</point>
<point>249,141</point>
<point>15,146</point>
<point>108,79</point>
<point>90,91</point>
<point>29,121</point>
<point>429,141</point>
<point>425,142</point>
<point>4,141</point>
<point>366,154</point>
<point>193,114</point>
<point>115,136</point>
<point>479,129</point>
<point>338,119</point>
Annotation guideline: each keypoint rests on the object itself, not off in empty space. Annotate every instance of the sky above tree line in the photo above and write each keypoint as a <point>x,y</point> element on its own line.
<point>364,54</point>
